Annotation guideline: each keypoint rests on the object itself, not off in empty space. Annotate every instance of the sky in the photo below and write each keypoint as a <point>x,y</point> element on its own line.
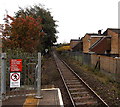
<point>74,18</point>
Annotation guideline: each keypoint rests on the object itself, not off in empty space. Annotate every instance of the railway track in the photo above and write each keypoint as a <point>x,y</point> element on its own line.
<point>81,95</point>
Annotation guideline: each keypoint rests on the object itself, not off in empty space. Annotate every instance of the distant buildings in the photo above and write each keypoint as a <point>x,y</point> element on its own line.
<point>107,43</point>
<point>76,45</point>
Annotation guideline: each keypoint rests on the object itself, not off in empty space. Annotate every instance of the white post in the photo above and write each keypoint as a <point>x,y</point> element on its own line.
<point>39,77</point>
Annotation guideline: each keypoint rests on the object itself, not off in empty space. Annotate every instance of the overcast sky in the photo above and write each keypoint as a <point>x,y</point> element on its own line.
<point>75,17</point>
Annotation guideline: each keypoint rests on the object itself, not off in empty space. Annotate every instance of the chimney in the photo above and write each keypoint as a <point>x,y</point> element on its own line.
<point>99,32</point>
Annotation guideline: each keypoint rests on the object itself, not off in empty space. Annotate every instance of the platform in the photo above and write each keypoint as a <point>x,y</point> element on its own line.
<point>50,97</point>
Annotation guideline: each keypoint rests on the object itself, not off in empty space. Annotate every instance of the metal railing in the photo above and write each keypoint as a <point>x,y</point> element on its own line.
<point>30,76</point>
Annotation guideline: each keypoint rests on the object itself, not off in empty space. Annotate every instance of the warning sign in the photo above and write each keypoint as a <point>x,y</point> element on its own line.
<point>14,80</point>
<point>15,65</point>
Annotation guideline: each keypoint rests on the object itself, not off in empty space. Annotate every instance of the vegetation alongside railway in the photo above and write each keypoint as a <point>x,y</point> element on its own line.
<point>31,29</point>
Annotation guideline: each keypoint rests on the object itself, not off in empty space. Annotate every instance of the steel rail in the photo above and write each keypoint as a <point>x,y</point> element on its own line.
<point>64,82</point>
<point>85,84</point>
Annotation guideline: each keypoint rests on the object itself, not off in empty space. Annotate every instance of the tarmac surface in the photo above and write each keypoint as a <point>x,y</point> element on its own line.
<point>50,97</point>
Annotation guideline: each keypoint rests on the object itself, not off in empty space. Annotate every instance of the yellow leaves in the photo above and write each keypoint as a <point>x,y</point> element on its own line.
<point>63,48</point>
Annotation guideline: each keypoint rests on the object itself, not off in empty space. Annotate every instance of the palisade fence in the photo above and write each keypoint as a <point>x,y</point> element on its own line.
<point>28,76</point>
<point>108,65</point>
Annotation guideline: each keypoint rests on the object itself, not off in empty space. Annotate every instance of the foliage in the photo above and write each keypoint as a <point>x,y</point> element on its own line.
<point>48,24</point>
<point>26,29</point>
<point>63,48</point>
<point>23,33</point>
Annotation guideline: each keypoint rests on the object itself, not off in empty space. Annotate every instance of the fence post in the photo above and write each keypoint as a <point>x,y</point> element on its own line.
<point>3,75</point>
<point>39,77</point>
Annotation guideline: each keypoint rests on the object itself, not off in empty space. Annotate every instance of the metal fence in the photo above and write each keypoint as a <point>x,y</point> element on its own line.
<point>83,58</point>
<point>108,65</point>
<point>30,75</point>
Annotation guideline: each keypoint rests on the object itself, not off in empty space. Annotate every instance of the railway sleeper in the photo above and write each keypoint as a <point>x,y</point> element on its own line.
<point>86,104</point>
<point>71,83</point>
<point>84,97</point>
<point>75,85</point>
<point>68,75</point>
<point>80,93</point>
<point>76,94</point>
<point>77,89</point>
<point>72,80</point>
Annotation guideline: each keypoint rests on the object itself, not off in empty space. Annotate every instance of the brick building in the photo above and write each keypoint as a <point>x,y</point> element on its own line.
<point>76,45</point>
<point>102,46</point>
<point>115,39</point>
<point>108,44</point>
<point>89,39</point>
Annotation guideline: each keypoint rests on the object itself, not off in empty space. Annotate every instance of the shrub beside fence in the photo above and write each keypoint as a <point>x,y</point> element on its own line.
<point>108,65</point>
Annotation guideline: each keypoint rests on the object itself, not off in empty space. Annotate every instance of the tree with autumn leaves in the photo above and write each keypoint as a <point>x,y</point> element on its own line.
<point>31,30</point>
<point>24,33</point>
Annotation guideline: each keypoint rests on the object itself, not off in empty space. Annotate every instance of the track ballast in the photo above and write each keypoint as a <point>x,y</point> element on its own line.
<point>78,90</point>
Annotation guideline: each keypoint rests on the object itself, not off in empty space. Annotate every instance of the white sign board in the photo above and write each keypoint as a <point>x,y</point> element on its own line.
<point>14,80</point>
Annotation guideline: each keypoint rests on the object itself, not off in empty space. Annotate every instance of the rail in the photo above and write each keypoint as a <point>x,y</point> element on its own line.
<point>58,60</point>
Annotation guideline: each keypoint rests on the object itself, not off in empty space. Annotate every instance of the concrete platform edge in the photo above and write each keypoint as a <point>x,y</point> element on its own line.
<point>59,95</point>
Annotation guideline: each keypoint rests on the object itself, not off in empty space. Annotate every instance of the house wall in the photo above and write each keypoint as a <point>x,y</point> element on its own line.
<point>78,47</point>
<point>119,45</point>
<point>73,43</point>
<point>114,42</point>
<point>86,43</point>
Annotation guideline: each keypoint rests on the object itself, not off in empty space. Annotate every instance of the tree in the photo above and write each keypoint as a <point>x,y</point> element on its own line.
<point>48,24</point>
<point>24,33</point>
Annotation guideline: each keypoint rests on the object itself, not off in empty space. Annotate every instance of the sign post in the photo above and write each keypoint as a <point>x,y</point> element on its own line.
<point>3,75</point>
<point>39,77</point>
<point>15,69</point>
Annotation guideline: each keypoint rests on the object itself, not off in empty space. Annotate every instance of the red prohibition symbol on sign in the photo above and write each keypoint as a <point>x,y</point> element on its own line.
<point>15,76</point>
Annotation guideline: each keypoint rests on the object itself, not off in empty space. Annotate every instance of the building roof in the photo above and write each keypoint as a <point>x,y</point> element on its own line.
<point>94,34</point>
<point>116,30</point>
<point>91,34</point>
<point>75,40</point>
